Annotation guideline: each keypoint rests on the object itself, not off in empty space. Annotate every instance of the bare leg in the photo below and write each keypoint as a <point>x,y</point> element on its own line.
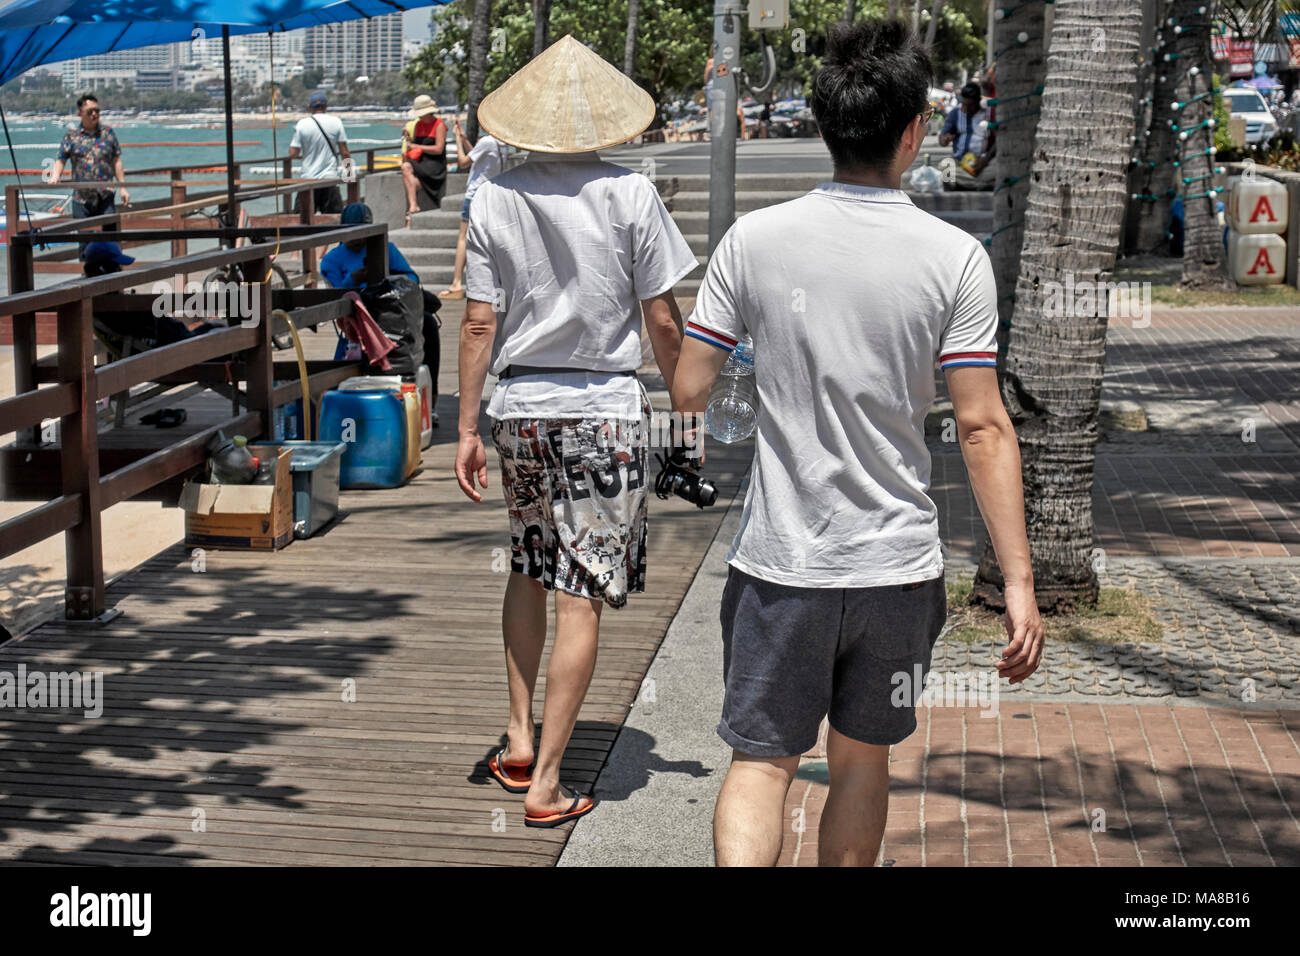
<point>749,818</point>
<point>458,273</point>
<point>523,624</point>
<point>853,821</point>
<point>573,658</point>
<point>411,184</point>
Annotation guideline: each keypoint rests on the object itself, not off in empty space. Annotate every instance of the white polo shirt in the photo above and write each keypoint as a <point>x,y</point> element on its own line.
<point>850,294</point>
<point>567,245</point>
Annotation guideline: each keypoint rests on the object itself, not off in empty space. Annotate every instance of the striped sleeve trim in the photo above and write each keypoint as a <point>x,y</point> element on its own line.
<point>708,335</point>
<point>966,359</point>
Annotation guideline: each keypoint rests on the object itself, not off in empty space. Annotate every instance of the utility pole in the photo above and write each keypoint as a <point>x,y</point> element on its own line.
<point>722,118</point>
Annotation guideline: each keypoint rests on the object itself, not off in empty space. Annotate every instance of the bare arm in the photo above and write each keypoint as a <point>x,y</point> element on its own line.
<point>663,323</point>
<point>992,456</point>
<point>477,331</point>
<point>56,173</point>
<point>697,367</point>
<point>120,172</point>
<point>294,152</point>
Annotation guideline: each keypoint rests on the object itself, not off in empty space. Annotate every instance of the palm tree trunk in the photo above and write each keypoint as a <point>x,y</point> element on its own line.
<point>933,26</point>
<point>629,47</point>
<point>916,15</point>
<point>892,11</point>
<point>541,26</point>
<point>1153,176</point>
<point>1022,68</point>
<point>850,10</point>
<point>480,29</point>
<point>1203,253</point>
<point>1052,386</point>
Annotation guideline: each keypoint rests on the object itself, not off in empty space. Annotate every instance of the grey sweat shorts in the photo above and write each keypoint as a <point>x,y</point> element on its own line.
<point>792,655</point>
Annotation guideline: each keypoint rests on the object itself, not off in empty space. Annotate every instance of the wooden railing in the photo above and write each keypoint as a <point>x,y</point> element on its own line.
<point>75,480</point>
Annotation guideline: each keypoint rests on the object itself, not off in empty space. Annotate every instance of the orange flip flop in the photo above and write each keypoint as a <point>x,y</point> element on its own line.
<point>517,782</point>
<point>564,816</point>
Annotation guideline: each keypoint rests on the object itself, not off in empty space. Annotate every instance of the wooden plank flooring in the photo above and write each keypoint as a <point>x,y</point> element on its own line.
<point>225,739</point>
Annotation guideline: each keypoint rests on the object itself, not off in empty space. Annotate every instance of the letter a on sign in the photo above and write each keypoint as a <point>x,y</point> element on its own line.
<point>1261,258</point>
<point>1263,204</point>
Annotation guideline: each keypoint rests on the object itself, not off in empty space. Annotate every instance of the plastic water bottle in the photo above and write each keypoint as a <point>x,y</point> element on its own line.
<point>927,179</point>
<point>232,462</point>
<point>731,414</point>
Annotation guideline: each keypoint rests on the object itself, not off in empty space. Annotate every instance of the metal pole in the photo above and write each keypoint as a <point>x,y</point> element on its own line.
<point>722,119</point>
<point>231,216</point>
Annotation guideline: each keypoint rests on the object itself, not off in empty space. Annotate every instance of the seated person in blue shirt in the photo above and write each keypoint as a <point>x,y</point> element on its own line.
<point>344,267</point>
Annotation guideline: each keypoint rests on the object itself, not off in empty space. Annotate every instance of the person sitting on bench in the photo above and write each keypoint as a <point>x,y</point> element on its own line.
<point>146,329</point>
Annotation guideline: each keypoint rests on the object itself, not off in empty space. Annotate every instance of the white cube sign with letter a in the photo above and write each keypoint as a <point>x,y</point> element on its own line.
<point>1258,259</point>
<point>1257,206</point>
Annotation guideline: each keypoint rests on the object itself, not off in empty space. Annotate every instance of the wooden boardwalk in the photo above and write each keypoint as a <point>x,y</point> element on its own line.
<point>227,734</point>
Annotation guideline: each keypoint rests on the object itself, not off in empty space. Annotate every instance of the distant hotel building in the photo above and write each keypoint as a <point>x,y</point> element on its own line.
<point>187,66</point>
<point>355,48</point>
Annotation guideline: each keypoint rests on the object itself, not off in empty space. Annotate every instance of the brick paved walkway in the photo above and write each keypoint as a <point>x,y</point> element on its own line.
<point>1202,514</point>
<point>1080,784</point>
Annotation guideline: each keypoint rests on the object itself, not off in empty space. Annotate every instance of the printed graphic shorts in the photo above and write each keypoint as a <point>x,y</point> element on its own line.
<point>576,493</point>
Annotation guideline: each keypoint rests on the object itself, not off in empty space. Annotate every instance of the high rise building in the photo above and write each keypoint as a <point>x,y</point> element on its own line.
<point>355,48</point>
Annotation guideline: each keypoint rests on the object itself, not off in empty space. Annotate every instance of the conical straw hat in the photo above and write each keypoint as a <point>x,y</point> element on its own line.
<point>567,100</point>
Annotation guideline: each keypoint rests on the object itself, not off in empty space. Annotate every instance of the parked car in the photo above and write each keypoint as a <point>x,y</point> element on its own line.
<point>1247,102</point>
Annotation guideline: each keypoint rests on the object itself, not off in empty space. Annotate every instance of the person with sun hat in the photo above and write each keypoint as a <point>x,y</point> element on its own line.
<point>565,255</point>
<point>424,160</point>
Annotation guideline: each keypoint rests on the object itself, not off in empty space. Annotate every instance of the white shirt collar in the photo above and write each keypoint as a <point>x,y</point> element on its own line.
<point>536,156</point>
<point>853,191</point>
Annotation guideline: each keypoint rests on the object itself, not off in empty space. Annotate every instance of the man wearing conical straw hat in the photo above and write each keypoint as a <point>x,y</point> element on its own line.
<point>564,256</point>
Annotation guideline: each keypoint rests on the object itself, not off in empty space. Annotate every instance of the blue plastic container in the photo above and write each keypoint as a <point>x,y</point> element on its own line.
<point>315,468</point>
<point>372,425</point>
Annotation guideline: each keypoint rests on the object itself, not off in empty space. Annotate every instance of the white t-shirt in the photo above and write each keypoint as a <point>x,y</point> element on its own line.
<point>486,159</point>
<point>566,246</point>
<point>849,293</point>
<point>317,157</point>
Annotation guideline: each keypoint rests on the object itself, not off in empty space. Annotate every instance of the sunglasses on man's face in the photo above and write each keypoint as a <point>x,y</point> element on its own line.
<point>92,112</point>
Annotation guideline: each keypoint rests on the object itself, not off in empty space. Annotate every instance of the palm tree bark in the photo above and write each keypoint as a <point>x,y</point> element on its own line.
<point>541,26</point>
<point>1052,385</point>
<point>850,10</point>
<point>480,29</point>
<point>629,47</point>
<point>933,26</point>
<point>1203,253</point>
<point>1152,180</point>
<point>1022,68</point>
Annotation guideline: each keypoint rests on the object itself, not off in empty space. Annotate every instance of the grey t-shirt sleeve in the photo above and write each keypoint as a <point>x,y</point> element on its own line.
<point>661,257</point>
<point>970,336</point>
<point>482,280</point>
<point>717,318</point>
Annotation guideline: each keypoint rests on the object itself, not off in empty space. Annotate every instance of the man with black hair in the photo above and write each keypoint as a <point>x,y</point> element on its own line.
<point>835,595</point>
<point>973,144</point>
<point>93,154</point>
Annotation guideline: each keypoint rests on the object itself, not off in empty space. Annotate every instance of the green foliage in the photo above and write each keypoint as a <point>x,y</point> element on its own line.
<point>673,41</point>
<point>1222,131</point>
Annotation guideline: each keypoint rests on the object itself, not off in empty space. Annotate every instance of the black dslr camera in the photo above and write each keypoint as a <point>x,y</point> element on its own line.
<point>677,476</point>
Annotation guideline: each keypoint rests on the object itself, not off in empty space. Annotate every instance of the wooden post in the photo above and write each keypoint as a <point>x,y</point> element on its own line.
<point>370,160</point>
<point>179,246</point>
<point>286,172</point>
<point>22,278</point>
<point>354,190</point>
<point>79,442</point>
<point>306,216</point>
<point>377,258</point>
<point>259,367</point>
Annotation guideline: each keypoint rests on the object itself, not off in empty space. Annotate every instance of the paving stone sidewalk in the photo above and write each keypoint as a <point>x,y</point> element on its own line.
<point>1184,751</point>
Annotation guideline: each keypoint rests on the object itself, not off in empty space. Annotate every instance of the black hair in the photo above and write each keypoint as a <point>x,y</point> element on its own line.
<point>85,98</point>
<point>101,267</point>
<point>874,81</point>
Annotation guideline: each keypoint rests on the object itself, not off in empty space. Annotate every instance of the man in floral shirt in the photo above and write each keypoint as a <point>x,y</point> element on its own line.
<point>94,155</point>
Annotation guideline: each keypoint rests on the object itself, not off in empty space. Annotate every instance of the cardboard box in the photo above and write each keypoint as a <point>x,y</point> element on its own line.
<point>241,517</point>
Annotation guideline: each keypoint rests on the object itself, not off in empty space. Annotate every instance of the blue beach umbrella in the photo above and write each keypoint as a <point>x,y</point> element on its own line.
<point>36,32</point>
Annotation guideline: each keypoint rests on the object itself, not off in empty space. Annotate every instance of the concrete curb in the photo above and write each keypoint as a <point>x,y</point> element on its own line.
<point>658,787</point>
